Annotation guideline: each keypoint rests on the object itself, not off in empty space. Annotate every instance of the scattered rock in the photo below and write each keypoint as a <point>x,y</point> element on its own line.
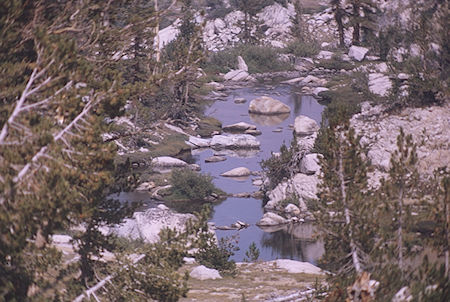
<point>324,54</point>
<point>147,225</point>
<point>216,86</point>
<point>238,76</point>
<point>189,260</point>
<point>239,127</point>
<point>257,182</point>
<point>203,273</point>
<point>215,159</point>
<point>240,100</point>
<point>241,64</point>
<point>292,209</point>
<point>304,186</point>
<point>403,295</point>
<point>253,132</point>
<point>357,52</point>
<point>310,164</point>
<point>316,91</point>
<point>61,239</point>
<point>379,84</point>
<point>304,125</point>
<point>237,141</point>
<point>268,106</point>
<point>168,162</point>
<point>146,186</point>
<point>199,142</point>
<point>293,81</point>
<point>297,267</point>
<point>237,172</point>
<point>270,219</point>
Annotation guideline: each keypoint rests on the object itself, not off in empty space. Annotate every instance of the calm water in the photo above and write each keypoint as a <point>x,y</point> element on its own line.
<point>288,242</point>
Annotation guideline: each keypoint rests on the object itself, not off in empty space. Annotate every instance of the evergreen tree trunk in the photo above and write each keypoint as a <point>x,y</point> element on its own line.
<point>356,23</point>
<point>338,15</point>
<point>400,230</point>
<point>354,251</point>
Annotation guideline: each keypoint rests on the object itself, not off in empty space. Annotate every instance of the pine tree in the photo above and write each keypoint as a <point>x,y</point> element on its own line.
<point>54,166</point>
<point>344,210</point>
<point>339,14</point>
<point>299,27</point>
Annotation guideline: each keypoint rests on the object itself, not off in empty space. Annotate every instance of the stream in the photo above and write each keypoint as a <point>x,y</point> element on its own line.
<point>289,241</point>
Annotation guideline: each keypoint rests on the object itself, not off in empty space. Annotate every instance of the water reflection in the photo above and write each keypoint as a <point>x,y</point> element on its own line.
<point>268,120</point>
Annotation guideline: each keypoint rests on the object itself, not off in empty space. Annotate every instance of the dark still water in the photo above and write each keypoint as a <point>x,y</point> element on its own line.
<point>291,242</point>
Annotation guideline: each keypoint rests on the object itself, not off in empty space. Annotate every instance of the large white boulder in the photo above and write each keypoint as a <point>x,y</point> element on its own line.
<point>147,225</point>
<point>357,52</point>
<point>239,127</point>
<point>167,161</point>
<point>310,164</point>
<point>379,84</point>
<point>304,125</point>
<point>326,55</point>
<point>237,141</point>
<point>302,185</point>
<point>237,76</point>
<point>237,172</point>
<point>270,219</point>
<point>197,142</point>
<point>297,267</point>
<point>203,273</point>
<point>268,105</point>
<point>316,91</point>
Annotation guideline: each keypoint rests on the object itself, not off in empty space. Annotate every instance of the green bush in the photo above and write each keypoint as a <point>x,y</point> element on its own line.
<point>302,48</point>
<point>335,63</point>
<point>259,59</point>
<point>252,254</point>
<point>187,184</point>
<point>218,255</point>
<point>278,168</point>
<point>262,59</point>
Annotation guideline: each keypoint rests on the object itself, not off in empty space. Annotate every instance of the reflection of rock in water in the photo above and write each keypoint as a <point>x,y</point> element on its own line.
<point>268,120</point>
<point>294,241</point>
<point>239,153</point>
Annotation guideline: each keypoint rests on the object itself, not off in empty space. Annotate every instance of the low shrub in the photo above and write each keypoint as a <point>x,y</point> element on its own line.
<point>252,254</point>
<point>302,48</point>
<point>218,255</point>
<point>280,167</point>
<point>336,64</point>
<point>187,184</point>
<point>211,253</point>
<point>259,59</point>
<point>293,198</point>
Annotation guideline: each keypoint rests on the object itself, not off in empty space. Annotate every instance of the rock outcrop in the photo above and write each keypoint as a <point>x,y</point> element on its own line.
<point>357,52</point>
<point>203,273</point>
<point>271,219</point>
<point>302,185</point>
<point>304,126</point>
<point>237,172</point>
<point>428,126</point>
<point>238,141</point>
<point>267,106</point>
<point>296,267</point>
<point>147,225</point>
